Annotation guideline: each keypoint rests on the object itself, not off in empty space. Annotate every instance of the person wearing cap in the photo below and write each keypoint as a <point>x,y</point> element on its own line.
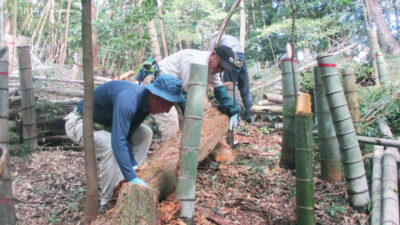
<point>178,64</point>
<point>121,139</point>
<point>238,75</point>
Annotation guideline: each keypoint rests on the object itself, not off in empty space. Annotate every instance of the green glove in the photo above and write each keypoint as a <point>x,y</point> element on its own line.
<point>225,101</point>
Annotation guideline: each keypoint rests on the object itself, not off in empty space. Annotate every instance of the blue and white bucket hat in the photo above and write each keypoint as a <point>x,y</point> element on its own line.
<point>168,87</point>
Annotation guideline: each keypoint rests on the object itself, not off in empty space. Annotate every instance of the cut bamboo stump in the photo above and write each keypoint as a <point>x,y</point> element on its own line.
<point>273,97</point>
<point>160,170</point>
<point>190,143</point>
<point>381,65</point>
<point>136,204</point>
<point>27,98</point>
<point>7,208</point>
<point>328,142</point>
<point>289,110</point>
<point>376,186</point>
<point>4,104</point>
<point>357,186</point>
<point>374,47</point>
<point>350,90</point>
<point>304,162</point>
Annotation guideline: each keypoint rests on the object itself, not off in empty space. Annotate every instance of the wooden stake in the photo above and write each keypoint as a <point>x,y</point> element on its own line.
<point>304,162</point>
<point>27,98</point>
<point>289,109</point>
<point>328,142</point>
<point>357,186</point>
<point>190,144</point>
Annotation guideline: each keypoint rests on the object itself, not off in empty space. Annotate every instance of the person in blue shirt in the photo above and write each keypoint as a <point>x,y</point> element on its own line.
<point>121,139</point>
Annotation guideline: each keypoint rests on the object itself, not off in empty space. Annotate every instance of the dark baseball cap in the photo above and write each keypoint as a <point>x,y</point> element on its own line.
<point>227,57</point>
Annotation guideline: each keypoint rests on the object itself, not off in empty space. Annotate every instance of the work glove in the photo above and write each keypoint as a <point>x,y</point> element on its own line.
<point>233,122</point>
<point>226,105</point>
<point>139,181</point>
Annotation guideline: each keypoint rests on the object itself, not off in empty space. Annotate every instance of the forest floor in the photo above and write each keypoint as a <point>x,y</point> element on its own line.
<point>49,187</point>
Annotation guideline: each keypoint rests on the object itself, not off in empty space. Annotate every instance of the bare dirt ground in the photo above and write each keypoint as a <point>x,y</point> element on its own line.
<point>49,187</point>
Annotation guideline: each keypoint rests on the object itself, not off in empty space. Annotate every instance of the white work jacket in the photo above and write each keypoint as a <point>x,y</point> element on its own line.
<point>178,64</point>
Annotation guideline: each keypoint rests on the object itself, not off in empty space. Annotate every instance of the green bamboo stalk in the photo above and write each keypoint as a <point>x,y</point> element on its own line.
<point>28,110</point>
<point>289,101</point>
<point>357,187</point>
<point>376,186</point>
<point>304,166</point>
<point>328,142</point>
<point>4,136</point>
<point>381,64</point>
<point>390,197</point>
<point>374,47</point>
<point>190,144</point>
<point>350,90</point>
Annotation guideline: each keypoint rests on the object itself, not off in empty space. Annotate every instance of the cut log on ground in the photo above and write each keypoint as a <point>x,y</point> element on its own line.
<point>223,152</point>
<point>267,109</point>
<point>159,171</point>
<point>136,205</point>
<point>273,97</point>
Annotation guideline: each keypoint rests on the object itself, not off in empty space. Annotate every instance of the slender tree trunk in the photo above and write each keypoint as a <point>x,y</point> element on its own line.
<point>64,45</point>
<point>227,18</point>
<point>162,31</point>
<point>46,14</point>
<point>94,38</point>
<point>243,21</point>
<point>253,12</point>
<point>186,19</point>
<point>387,40</point>
<point>397,18</point>
<point>92,202</point>
<point>155,46</point>
<point>2,30</point>
<point>38,25</point>
<point>140,33</point>
<point>52,32</point>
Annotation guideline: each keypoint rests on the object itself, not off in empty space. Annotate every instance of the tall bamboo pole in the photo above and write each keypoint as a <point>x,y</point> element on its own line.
<point>289,108</point>
<point>390,197</point>
<point>7,207</point>
<point>354,170</point>
<point>190,144</point>
<point>304,162</point>
<point>328,142</point>
<point>381,64</point>
<point>4,137</point>
<point>376,186</point>
<point>374,47</point>
<point>350,91</point>
<point>27,98</point>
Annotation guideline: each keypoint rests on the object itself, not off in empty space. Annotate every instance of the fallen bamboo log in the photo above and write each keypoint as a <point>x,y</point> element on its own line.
<point>101,80</point>
<point>267,109</point>
<point>374,141</point>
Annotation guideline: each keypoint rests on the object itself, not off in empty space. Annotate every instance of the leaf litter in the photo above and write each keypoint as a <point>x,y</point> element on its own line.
<point>49,188</point>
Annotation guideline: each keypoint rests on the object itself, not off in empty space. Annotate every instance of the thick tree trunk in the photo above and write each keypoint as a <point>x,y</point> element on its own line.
<point>155,46</point>
<point>92,202</point>
<point>160,169</point>
<point>386,37</point>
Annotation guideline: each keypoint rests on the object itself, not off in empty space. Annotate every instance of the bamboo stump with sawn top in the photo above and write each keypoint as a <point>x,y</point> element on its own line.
<point>350,90</point>
<point>28,111</point>
<point>305,213</point>
<point>381,65</point>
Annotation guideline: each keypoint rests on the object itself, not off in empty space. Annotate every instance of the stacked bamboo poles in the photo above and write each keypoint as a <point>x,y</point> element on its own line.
<point>376,186</point>
<point>27,98</point>
<point>190,144</point>
<point>304,162</point>
<point>4,101</point>
<point>381,65</point>
<point>374,47</point>
<point>354,170</point>
<point>328,142</point>
<point>289,101</point>
<point>350,91</point>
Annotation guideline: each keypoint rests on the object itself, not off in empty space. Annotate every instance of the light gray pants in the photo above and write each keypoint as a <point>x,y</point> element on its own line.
<point>109,172</point>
